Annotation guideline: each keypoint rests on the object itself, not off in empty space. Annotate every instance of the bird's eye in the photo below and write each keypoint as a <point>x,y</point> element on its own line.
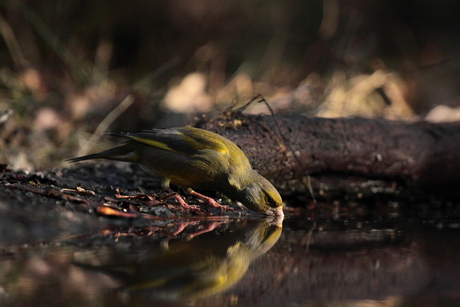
<point>270,201</point>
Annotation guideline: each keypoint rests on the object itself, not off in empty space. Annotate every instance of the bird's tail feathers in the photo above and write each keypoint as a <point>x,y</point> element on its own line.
<point>119,134</point>
<point>122,153</point>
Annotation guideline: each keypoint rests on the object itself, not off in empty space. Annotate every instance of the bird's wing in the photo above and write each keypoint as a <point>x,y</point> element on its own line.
<point>184,140</point>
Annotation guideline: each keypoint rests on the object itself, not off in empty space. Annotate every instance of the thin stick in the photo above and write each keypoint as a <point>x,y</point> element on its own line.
<point>5,116</point>
<point>108,120</point>
<point>12,43</point>
<point>78,68</point>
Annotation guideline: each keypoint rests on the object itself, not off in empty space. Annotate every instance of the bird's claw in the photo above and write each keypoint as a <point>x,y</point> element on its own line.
<point>183,204</point>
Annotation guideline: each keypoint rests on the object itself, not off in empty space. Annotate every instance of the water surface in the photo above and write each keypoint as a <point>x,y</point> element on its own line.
<point>361,261</point>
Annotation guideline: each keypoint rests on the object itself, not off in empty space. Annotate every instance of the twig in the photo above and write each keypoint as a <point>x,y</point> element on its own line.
<point>5,116</point>
<point>306,240</point>
<point>12,43</point>
<point>80,70</point>
<point>108,120</point>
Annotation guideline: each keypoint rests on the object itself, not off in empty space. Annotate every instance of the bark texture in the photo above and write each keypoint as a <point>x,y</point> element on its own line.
<point>422,156</point>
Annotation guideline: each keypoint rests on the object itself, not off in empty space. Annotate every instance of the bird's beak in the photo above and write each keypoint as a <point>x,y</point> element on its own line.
<point>277,213</point>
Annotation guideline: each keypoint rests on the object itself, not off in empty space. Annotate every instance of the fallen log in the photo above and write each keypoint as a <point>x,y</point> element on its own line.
<point>344,153</point>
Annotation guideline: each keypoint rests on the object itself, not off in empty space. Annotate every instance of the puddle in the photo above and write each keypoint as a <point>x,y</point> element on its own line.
<point>330,262</point>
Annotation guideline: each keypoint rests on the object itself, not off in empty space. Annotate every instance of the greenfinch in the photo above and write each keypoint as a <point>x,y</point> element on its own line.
<point>196,159</point>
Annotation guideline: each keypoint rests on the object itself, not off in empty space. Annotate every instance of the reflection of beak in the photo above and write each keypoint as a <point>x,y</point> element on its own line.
<point>275,216</point>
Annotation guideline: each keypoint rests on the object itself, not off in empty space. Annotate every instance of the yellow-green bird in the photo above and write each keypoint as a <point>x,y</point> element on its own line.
<point>196,159</point>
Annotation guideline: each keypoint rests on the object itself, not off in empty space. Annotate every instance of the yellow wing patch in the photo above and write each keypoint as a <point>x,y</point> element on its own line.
<point>203,139</point>
<point>207,144</point>
<point>189,140</point>
<point>153,143</point>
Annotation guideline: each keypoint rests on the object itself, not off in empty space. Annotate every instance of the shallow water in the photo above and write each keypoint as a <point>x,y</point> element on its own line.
<point>373,261</point>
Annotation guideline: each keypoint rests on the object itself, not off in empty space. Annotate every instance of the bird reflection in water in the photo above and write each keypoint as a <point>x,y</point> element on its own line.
<point>189,268</point>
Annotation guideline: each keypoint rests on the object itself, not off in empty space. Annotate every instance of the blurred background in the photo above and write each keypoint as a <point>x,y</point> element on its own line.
<point>70,70</point>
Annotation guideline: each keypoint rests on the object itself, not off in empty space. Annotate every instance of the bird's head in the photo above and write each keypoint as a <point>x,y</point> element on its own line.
<point>261,196</point>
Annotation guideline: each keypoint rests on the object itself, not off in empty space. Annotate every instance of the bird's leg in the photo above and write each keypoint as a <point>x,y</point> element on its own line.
<point>208,228</point>
<point>180,228</point>
<point>181,201</point>
<point>204,228</point>
<point>209,200</point>
<point>165,184</point>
